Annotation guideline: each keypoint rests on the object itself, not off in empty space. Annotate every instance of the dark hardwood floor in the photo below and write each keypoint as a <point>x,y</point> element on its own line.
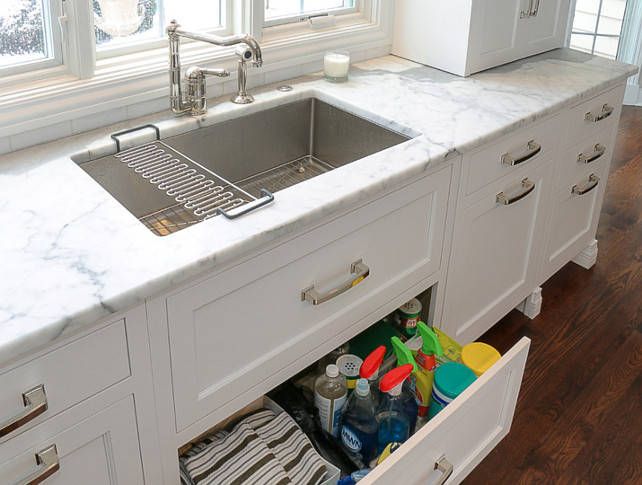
<point>579,414</point>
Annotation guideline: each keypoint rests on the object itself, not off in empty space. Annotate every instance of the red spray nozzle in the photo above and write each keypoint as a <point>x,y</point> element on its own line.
<point>395,377</point>
<point>372,362</point>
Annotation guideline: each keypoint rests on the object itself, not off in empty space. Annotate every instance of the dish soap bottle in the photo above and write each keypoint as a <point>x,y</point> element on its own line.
<point>370,370</point>
<point>393,423</point>
<point>357,424</point>
<point>330,394</point>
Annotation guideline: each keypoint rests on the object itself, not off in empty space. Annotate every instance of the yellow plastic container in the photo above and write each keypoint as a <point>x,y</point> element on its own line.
<point>479,356</point>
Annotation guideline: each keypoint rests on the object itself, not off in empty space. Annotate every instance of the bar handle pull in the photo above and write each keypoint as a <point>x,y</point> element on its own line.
<point>35,402</point>
<point>598,151</point>
<point>605,113</point>
<point>445,467</point>
<point>48,464</point>
<point>532,149</point>
<point>527,187</point>
<point>358,272</point>
<point>593,180</point>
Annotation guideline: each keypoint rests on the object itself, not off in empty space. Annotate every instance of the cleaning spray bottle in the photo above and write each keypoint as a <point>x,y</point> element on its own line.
<point>427,365</point>
<point>370,370</point>
<point>394,426</point>
<point>411,396</point>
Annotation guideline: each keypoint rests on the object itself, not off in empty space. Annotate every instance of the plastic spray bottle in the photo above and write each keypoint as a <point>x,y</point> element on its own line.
<point>427,365</point>
<point>394,426</point>
<point>409,390</point>
<point>357,423</point>
<point>370,370</point>
<point>330,394</point>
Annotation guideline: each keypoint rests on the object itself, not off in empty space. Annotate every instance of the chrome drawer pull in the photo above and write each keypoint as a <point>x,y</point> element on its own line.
<point>527,13</point>
<point>359,272</point>
<point>48,464</point>
<point>35,401</point>
<point>527,187</point>
<point>593,180</point>
<point>535,9</point>
<point>599,150</point>
<point>446,469</point>
<point>606,112</point>
<point>532,149</point>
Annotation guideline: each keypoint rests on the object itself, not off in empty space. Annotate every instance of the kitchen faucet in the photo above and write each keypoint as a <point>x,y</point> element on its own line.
<point>195,101</point>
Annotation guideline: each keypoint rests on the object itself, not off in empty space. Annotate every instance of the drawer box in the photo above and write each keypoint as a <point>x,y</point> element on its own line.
<point>465,431</point>
<point>586,155</point>
<point>578,126</point>
<point>486,165</point>
<point>236,329</point>
<point>69,374</point>
<point>99,450</point>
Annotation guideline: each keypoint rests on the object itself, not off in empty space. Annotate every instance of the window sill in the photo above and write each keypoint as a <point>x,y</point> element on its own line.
<point>137,84</point>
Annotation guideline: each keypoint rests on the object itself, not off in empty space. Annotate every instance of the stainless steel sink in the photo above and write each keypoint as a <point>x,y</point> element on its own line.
<point>241,162</point>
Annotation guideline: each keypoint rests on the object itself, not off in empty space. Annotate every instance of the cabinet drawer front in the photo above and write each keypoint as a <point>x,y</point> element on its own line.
<point>465,431</point>
<point>69,374</point>
<point>100,450</point>
<point>594,150</point>
<point>574,219</point>
<point>486,165</point>
<point>236,329</point>
<point>597,108</point>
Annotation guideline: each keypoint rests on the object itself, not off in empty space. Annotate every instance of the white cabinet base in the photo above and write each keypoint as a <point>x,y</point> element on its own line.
<point>532,304</point>
<point>587,258</point>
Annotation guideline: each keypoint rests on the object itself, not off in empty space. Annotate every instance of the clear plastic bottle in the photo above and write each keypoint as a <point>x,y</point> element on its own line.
<point>330,394</point>
<point>394,426</point>
<point>357,423</point>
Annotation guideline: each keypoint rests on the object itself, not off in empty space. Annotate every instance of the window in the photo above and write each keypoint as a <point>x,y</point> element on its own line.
<point>27,35</point>
<point>283,11</point>
<point>126,25</point>
<point>597,26</point>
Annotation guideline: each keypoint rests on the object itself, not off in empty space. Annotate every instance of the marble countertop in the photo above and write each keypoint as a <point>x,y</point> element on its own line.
<point>72,255</point>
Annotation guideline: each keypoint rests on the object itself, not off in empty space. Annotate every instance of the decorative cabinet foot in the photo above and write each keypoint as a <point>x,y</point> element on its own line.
<point>586,259</point>
<point>532,304</point>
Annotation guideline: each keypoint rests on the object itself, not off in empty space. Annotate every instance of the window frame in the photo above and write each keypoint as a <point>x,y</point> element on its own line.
<point>88,93</point>
<point>259,8</point>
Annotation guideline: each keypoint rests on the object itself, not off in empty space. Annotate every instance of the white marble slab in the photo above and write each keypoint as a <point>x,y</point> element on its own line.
<point>71,254</point>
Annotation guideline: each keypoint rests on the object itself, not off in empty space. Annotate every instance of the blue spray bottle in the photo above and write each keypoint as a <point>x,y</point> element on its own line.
<point>394,426</point>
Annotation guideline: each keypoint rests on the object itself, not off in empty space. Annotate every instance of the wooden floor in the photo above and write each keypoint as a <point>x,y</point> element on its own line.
<point>579,414</point>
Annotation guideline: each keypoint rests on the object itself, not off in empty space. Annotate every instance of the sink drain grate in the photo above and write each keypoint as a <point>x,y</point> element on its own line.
<point>196,189</point>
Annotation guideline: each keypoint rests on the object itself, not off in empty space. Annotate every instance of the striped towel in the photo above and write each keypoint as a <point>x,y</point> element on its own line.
<point>240,458</point>
<point>262,449</point>
<point>292,448</point>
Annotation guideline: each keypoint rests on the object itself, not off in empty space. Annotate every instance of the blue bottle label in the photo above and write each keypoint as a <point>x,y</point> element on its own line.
<point>350,440</point>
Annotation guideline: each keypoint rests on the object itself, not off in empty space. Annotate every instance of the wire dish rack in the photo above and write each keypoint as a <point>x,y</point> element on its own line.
<point>195,193</point>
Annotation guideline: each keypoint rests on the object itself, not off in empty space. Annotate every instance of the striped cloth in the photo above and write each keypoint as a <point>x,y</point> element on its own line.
<point>262,449</point>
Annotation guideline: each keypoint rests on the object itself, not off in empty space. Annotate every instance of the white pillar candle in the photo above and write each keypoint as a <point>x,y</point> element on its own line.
<point>336,64</point>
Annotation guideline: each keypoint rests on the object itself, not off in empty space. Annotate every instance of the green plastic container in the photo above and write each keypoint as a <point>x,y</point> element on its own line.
<point>450,381</point>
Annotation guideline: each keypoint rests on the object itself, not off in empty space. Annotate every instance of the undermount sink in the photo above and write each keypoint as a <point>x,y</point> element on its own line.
<point>237,163</point>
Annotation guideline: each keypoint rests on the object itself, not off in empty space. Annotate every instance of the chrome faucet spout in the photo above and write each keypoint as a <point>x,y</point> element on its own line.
<point>195,102</point>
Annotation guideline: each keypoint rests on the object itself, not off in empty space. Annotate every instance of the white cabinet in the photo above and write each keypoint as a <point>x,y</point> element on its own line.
<point>467,36</point>
<point>499,229</point>
<point>82,410</point>
<point>583,170</point>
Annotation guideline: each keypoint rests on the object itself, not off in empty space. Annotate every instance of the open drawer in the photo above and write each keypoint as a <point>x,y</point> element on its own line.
<point>464,432</point>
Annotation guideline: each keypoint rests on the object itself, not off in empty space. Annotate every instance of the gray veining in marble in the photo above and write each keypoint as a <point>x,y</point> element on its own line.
<point>72,255</point>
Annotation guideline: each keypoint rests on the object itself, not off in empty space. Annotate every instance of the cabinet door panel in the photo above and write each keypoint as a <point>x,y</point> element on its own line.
<point>495,250</point>
<point>242,326</point>
<point>465,431</point>
<point>574,220</point>
<point>545,30</point>
<point>100,450</point>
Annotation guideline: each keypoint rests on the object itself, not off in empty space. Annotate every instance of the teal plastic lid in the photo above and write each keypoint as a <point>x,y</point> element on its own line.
<point>452,378</point>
